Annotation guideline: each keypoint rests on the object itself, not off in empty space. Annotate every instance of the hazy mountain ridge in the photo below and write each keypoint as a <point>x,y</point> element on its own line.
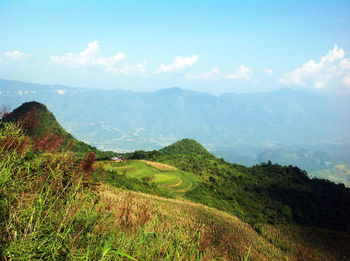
<point>244,124</point>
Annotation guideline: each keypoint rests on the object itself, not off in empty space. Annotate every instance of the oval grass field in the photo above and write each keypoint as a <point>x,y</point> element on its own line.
<point>166,176</point>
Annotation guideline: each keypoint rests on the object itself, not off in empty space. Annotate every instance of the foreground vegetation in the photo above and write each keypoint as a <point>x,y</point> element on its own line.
<point>59,204</point>
<point>51,208</point>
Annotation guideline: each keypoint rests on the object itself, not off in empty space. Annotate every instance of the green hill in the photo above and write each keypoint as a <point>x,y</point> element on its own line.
<point>48,135</point>
<point>264,193</point>
<point>186,146</point>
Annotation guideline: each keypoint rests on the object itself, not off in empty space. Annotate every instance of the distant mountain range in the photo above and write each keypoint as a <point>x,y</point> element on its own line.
<point>243,128</point>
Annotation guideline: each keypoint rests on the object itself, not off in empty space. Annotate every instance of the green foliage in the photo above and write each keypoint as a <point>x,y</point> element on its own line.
<point>51,209</point>
<point>267,193</point>
<point>246,258</point>
<point>185,146</point>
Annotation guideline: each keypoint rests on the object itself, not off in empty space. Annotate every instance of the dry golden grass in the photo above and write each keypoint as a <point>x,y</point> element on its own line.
<point>218,233</point>
<point>159,166</point>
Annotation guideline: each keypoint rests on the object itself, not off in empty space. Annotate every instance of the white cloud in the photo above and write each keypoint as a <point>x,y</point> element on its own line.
<point>243,73</point>
<point>61,92</point>
<point>332,70</point>
<point>180,63</point>
<point>15,55</point>
<point>89,59</point>
<point>210,74</point>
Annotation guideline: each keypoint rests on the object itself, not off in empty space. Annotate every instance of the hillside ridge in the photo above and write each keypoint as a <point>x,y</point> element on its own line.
<point>185,146</point>
<point>42,127</point>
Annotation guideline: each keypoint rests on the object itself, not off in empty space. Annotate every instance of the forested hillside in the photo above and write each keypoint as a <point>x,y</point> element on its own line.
<point>268,193</point>
<point>179,203</point>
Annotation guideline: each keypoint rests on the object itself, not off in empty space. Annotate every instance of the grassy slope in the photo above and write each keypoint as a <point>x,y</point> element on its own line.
<point>265,193</point>
<point>65,215</point>
<point>60,216</point>
<point>215,232</point>
<point>176,181</point>
<point>51,208</point>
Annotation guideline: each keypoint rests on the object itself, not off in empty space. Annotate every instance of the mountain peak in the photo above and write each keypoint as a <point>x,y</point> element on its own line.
<point>186,146</point>
<point>30,106</point>
<point>170,90</point>
<point>37,120</point>
<point>41,125</point>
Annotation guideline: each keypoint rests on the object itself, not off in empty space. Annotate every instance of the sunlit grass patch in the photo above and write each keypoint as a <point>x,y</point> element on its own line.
<point>159,166</point>
<point>172,179</point>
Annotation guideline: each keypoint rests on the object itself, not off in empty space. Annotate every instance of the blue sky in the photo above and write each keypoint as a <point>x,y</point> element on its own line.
<point>214,46</point>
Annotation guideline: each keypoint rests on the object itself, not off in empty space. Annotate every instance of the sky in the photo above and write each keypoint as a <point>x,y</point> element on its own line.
<point>213,46</point>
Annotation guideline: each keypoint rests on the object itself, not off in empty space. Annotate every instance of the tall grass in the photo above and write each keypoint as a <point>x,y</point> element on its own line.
<point>52,208</point>
<point>43,201</point>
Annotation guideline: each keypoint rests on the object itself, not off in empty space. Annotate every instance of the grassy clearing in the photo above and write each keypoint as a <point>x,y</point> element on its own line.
<point>176,181</point>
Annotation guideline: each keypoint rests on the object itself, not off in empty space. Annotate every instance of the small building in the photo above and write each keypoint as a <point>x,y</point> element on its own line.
<point>118,158</point>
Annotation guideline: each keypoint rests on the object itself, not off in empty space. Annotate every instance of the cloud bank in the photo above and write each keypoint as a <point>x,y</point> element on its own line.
<point>15,55</point>
<point>243,72</point>
<point>179,64</point>
<point>332,71</point>
<point>89,58</point>
<point>213,73</point>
